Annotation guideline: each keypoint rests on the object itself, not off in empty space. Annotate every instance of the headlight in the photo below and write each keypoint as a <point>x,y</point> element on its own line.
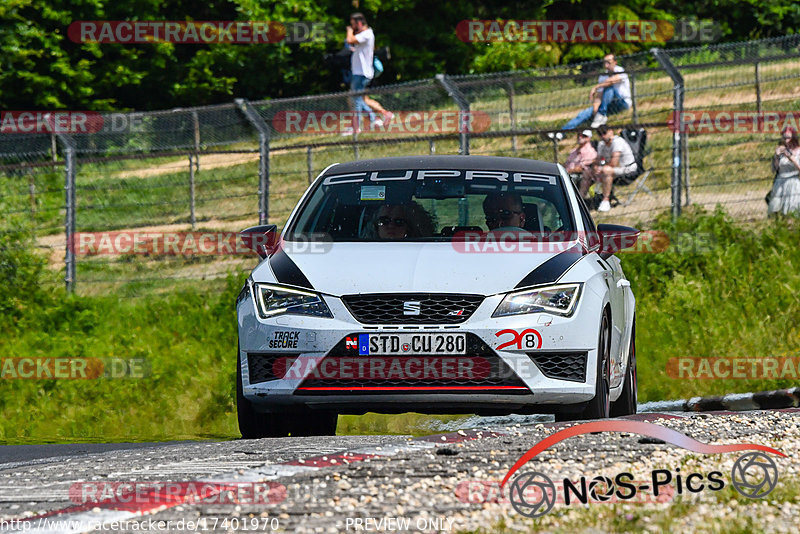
<point>559,300</point>
<point>275,300</point>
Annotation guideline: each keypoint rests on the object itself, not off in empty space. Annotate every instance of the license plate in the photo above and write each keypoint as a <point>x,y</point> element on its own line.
<point>426,344</point>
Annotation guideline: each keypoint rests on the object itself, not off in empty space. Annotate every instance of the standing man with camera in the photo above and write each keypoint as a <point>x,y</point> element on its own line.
<point>361,39</point>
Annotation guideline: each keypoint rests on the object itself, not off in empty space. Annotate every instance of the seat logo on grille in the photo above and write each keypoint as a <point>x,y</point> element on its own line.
<point>412,307</point>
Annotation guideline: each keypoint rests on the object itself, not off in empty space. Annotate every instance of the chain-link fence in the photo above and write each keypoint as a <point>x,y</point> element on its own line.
<point>214,170</point>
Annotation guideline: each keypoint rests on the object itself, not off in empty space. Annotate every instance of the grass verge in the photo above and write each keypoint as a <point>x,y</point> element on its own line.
<point>736,297</point>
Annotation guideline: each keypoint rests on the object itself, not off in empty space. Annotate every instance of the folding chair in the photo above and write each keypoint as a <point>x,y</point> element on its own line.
<point>640,186</point>
<point>637,139</point>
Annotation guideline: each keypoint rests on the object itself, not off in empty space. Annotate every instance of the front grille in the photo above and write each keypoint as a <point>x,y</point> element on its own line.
<point>391,308</point>
<point>262,366</point>
<point>561,365</point>
<point>480,370</point>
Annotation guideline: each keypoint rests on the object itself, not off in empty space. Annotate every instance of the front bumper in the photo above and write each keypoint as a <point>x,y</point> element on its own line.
<point>295,348</point>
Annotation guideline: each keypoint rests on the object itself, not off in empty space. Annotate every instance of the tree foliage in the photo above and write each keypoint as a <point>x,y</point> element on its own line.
<point>40,68</point>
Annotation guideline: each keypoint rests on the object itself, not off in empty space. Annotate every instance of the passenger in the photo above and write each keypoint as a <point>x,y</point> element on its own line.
<point>504,211</point>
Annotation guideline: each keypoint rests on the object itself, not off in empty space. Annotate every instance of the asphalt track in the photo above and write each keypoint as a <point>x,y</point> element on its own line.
<point>329,484</point>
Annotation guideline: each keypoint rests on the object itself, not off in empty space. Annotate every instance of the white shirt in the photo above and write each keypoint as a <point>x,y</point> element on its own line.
<point>361,62</point>
<point>624,85</point>
<point>620,145</point>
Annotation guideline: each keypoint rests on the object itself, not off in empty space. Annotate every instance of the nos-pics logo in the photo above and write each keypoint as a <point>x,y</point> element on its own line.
<point>533,494</point>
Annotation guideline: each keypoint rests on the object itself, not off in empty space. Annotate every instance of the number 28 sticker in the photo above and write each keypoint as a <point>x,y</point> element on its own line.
<point>527,339</point>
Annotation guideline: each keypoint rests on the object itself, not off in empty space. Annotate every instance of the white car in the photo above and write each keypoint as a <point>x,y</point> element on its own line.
<point>435,284</point>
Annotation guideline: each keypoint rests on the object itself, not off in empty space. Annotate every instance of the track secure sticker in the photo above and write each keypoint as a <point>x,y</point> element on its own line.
<point>284,340</point>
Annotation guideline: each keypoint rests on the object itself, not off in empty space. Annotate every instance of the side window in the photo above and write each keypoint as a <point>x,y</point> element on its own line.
<point>592,238</point>
<point>548,212</point>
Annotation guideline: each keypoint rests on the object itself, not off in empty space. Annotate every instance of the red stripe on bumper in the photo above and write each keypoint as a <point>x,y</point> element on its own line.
<point>409,388</point>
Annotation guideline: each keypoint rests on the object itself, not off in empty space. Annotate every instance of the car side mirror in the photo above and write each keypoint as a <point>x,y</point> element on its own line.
<point>262,239</point>
<point>615,237</point>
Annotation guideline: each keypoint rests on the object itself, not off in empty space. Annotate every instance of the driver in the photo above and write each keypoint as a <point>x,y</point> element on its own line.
<point>504,211</point>
<point>400,221</point>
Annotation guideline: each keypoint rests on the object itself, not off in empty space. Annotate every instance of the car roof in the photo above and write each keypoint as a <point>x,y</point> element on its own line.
<point>447,162</point>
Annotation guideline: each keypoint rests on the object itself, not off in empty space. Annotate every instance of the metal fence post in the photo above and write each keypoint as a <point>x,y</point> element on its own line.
<point>263,161</point>
<point>512,115</point>
<point>69,205</point>
<point>196,124</point>
<point>635,118</point>
<point>310,164</point>
<point>192,217</point>
<point>53,147</point>
<point>686,167</point>
<point>32,194</point>
<point>758,86</point>
<point>677,110</point>
<point>464,124</point>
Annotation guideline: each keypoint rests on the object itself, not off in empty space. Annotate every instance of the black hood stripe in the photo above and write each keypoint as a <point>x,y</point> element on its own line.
<point>554,268</point>
<point>286,271</point>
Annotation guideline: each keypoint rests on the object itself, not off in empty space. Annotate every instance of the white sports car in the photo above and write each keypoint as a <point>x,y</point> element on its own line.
<point>435,284</point>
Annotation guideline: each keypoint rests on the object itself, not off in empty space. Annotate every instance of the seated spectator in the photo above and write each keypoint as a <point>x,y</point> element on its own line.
<point>583,155</point>
<point>612,94</point>
<point>785,195</point>
<point>400,221</point>
<point>614,159</point>
<point>504,211</point>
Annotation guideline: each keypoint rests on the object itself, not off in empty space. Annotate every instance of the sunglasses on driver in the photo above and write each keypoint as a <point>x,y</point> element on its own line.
<point>385,221</point>
<point>501,215</point>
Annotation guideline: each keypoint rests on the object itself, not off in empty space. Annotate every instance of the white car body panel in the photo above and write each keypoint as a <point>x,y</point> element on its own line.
<point>350,268</point>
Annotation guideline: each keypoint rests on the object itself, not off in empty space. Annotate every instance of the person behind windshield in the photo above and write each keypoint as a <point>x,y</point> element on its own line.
<point>400,221</point>
<point>504,211</point>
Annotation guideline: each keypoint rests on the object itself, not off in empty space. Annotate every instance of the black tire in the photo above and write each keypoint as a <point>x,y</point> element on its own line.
<point>563,417</point>
<point>627,402</point>
<point>600,406</point>
<point>314,423</point>
<point>253,424</point>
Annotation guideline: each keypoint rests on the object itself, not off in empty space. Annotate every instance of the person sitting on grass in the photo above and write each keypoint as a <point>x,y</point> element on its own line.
<point>614,159</point>
<point>612,94</point>
<point>582,156</point>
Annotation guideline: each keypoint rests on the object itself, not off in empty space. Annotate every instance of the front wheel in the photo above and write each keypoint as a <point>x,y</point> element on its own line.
<point>253,424</point>
<point>314,423</point>
<point>626,404</point>
<point>600,406</point>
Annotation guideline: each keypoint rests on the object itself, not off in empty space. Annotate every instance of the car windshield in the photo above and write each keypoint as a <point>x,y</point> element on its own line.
<point>431,205</point>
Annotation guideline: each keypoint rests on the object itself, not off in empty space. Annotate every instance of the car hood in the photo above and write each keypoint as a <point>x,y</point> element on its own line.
<point>347,268</point>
